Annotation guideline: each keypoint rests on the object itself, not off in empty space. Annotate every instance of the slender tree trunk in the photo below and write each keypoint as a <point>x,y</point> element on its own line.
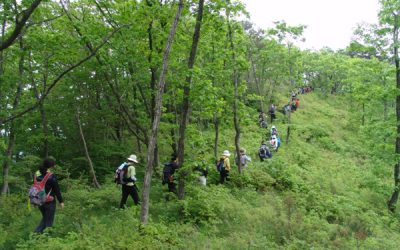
<point>288,127</point>
<point>156,122</point>
<point>385,110</point>
<point>41,106</point>
<point>45,131</point>
<point>236,122</point>
<point>216,139</point>
<point>396,172</point>
<point>292,84</point>
<point>186,96</point>
<point>235,77</point>
<point>91,168</point>
<point>12,135</point>
<point>363,115</point>
<point>257,80</point>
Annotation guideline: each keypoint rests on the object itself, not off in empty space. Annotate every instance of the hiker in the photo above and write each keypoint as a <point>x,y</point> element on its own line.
<point>244,159</point>
<point>273,130</point>
<point>262,120</point>
<point>224,166</point>
<point>264,152</point>
<point>293,106</point>
<point>274,142</point>
<point>286,109</point>
<point>168,173</point>
<point>262,116</point>
<point>293,95</point>
<point>297,103</point>
<point>272,110</point>
<point>128,185</point>
<point>52,189</point>
<point>202,170</point>
<point>263,123</point>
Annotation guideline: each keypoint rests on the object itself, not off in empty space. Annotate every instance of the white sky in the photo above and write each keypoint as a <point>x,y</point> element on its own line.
<point>330,23</point>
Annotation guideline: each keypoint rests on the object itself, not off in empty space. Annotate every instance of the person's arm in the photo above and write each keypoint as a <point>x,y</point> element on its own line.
<point>132,173</point>
<point>56,190</point>
<point>227,164</point>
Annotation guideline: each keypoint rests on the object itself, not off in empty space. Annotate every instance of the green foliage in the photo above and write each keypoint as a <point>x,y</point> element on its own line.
<point>326,189</point>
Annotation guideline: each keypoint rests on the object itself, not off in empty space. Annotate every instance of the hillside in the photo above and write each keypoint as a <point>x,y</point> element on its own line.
<point>322,191</point>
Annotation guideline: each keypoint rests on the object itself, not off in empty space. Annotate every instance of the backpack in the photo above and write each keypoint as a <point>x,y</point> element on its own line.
<point>37,192</point>
<point>220,165</point>
<point>168,171</point>
<point>120,173</point>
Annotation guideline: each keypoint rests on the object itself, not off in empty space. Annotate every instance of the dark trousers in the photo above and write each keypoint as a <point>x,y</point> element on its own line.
<point>48,211</point>
<point>273,117</point>
<point>126,191</point>
<point>224,175</point>
<point>171,187</point>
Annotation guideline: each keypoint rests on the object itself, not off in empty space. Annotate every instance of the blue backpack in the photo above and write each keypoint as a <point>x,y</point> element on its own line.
<point>220,165</point>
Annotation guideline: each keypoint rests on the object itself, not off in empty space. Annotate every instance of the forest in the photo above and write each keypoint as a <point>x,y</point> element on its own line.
<point>92,83</point>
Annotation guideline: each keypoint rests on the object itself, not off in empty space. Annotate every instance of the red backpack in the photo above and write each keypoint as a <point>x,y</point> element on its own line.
<point>37,192</point>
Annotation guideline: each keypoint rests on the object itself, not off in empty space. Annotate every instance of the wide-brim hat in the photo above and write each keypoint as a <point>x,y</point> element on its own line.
<point>133,158</point>
<point>226,153</point>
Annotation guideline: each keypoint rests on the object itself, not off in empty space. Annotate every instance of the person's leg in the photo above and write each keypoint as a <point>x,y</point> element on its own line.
<point>51,211</point>
<point>48,211</point>
<point>227,175</point>
<point>134,194</point>
<point>124,197</point>
<point>171,187</point>
<point>41,226</point>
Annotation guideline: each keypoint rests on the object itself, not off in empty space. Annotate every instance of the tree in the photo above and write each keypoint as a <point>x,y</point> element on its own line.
<point>157,115</point>
<point>390,15</point>
<point>186,96</point>
<point>20,20</point>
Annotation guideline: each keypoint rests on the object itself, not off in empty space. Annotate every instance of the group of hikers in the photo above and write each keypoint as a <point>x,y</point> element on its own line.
<point>46,190</point>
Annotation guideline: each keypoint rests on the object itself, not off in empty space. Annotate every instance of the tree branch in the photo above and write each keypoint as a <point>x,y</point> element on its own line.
<point>19,25</point>
<point>56,80</point>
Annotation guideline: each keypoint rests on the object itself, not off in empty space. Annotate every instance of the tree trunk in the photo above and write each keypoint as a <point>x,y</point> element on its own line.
<point>156,121</point>
<point>288,128</point>
<point>385,110</point>
<point>236,122</point>
<point>41,106</point>
<point>20,22</point>
<point>45,131</point>
<point>235,78</point>
<point>257,80</point>
<point>91,168</point>
<point>216,139</point>
<point>12,136</point>
<point>186,101</point>
<point>363,115</point>
<point>395,195</point>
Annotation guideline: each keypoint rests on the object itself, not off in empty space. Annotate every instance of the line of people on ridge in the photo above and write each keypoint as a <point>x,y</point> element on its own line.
<point>45,190</point>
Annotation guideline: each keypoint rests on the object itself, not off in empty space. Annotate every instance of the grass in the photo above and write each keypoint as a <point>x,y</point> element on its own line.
<point>323,190</point>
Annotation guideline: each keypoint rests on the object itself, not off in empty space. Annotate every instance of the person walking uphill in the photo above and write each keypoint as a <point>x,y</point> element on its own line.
<point>224,166</point>
<point>128,184</point>
<point>168,173</point>
<point>243,158</point>
<point>48,209</point>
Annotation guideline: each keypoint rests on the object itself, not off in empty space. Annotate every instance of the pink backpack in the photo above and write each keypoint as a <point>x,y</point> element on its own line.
<point>37,192</point>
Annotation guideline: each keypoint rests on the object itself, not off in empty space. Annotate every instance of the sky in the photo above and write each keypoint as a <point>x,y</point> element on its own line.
<point>330,23</point>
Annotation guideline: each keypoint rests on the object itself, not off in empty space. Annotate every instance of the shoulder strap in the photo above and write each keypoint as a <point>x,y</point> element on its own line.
<point>46,177</point>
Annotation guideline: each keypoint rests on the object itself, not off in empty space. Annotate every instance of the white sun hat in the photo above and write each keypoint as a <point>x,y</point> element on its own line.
<point>226,153</point>
<point>133,158</point>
